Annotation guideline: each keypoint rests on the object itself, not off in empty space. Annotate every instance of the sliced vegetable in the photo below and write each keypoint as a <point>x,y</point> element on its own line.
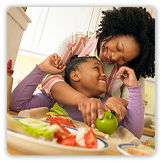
<point>58,110</point>
<point>60,136</point>
<point>90,139</point>
<point>152,145</point>
<point>80,134</point>
<point>12,124</point>
<point>61,121</point>
<point>53,113</point>
<point>46,132</point>
<point>70,140</point>
<point>32,122</point>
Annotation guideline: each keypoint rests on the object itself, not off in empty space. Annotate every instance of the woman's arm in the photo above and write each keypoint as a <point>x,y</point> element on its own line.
<point>90,107</point>
<point>65,94</point>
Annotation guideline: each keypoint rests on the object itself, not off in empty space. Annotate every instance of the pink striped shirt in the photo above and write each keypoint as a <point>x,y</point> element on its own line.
<point>83,45</point>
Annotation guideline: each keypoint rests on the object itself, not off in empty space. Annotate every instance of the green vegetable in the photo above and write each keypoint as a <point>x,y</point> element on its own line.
<point>31,129</point>
<point>46,132</point>
<point>32,122</point>
<point>58,110</point>
<point>152,145</point>
<point>14,125</point>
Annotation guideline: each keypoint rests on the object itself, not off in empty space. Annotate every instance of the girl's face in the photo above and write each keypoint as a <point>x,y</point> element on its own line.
<point>92,78</point>
<point>120,49</point>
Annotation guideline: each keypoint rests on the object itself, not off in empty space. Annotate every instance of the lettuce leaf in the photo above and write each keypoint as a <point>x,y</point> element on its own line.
<point>58,110</point>
<point>35,131</point>
<point>46,132</point>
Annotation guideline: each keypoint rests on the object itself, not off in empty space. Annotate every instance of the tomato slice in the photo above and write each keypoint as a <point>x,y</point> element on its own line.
<point>60,136</point>
<point>61,121</point>
<point>90,139</point>
<point>69,140</point>
<point>64,130</point>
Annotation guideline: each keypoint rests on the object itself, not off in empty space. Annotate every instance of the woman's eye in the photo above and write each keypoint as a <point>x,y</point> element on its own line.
<point>118,48</point>
<point>124,60</point>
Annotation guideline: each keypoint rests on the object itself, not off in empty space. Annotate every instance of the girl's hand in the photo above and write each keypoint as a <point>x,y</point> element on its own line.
<point>52,64</point>
<point>91,108</point>
<point>118,105</point>
<point>130,80</point>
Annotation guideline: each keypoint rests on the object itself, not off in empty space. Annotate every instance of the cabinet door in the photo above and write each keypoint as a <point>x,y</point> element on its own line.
<point>51,25</point>
<point>28,36</point>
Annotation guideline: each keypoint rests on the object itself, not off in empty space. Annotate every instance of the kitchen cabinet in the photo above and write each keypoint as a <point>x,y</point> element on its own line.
<point>17,22</point>
<point>51,25</point>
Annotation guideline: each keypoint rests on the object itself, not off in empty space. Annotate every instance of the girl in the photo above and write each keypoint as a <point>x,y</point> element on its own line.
<point>86,75</point>
<point>126,36</point>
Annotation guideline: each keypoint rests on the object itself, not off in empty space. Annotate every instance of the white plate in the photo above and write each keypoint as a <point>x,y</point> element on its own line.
<point>34,146</point>
<point>123,148</point>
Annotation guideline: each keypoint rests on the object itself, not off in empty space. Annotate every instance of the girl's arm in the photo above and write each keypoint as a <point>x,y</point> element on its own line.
<point>23,98</point>
<point>134,119</point>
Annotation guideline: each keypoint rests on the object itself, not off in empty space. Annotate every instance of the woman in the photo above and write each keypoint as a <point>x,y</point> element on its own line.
<point>86,75</point>
<point>126,36</point>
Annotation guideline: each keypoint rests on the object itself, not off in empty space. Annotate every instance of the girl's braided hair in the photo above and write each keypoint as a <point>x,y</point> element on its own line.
<point>73,65</point>
<point>135,22</point>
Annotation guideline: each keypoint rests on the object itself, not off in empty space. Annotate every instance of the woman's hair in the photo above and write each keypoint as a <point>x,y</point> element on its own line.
<point>73,65</point>
<point>135,22</point>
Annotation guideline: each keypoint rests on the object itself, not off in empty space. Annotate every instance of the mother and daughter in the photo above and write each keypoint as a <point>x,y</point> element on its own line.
<point>123,44</point>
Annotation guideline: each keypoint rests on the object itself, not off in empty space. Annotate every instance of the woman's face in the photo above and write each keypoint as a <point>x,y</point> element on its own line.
<point>119,49</point>
<point>92,78</point>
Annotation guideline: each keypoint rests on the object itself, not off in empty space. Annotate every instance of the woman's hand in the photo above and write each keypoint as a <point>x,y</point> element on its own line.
<point>91,108</point>
<point>118,105</point>
<point>130,80</point>
<point>52,64</point>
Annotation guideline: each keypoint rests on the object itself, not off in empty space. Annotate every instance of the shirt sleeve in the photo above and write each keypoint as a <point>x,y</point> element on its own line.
<point>22,96</point>
<point>70,46</point>
<point>134,119</point>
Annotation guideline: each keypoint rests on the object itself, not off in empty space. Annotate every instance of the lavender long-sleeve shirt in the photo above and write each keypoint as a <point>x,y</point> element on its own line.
<point>23,98</point>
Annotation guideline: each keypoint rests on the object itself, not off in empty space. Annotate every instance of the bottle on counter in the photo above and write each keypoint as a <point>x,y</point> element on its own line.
<point>9,82</point>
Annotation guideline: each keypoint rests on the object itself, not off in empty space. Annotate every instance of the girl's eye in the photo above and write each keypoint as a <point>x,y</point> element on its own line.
<point>96,68</point>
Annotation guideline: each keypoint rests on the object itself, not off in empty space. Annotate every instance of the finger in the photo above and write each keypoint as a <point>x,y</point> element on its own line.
<point>100,111</point>
<point>123,113</point>
<point>52,57</point>
<point>60,64</point>
<point>94,109</point>
<point>57,61</point>
<point>120,72</point>
<point>122,78</point>
<point>62,69</point>
<point>115,108</point>
<point>82,109</point>
<point>55,56</point>
<point>107,108</point>
<point>88,114</point>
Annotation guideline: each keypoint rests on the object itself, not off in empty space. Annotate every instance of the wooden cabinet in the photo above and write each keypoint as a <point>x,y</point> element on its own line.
<point>17,22</point>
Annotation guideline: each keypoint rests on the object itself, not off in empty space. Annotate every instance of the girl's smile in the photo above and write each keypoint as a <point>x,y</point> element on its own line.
<point>91,78</point>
